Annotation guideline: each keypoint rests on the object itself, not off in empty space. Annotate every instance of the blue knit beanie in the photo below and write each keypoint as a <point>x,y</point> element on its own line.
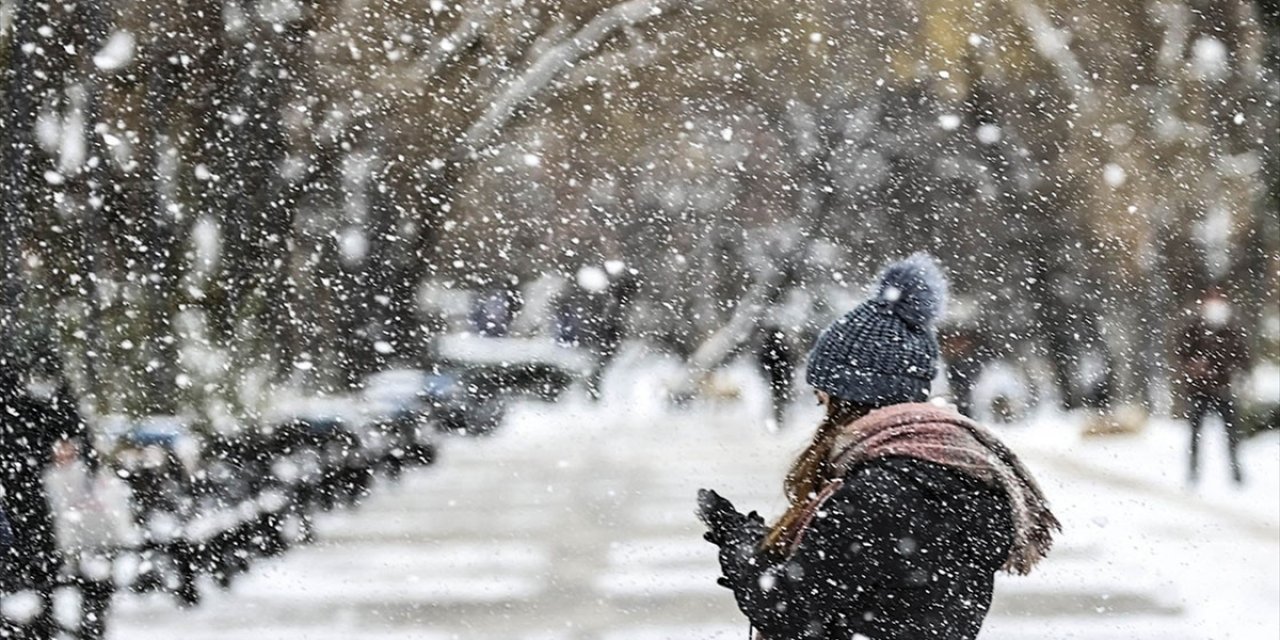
<point>885,351</point>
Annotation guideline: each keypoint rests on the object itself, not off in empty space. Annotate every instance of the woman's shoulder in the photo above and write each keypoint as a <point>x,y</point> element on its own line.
<point>895,469</point>
<point>899,493</point>
<point>900,475</point>
<point>890,481</point>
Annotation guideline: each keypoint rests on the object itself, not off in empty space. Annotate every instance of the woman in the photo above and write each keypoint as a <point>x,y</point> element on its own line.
<point>901,512</point>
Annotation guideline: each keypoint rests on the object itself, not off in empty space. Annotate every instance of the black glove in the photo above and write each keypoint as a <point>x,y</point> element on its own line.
<point>720,516</point>
<point>724,523</point>
<point>738,536</point>
<point>741,559</point>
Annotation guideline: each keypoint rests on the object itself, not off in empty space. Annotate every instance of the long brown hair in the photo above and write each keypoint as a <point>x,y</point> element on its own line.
<point>811,470</point>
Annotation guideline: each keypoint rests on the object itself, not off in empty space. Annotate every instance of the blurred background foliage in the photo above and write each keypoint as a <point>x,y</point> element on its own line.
<point>204,195</point>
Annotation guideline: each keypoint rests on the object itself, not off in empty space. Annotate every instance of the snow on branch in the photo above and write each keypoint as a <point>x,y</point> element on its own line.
<point>549,39</point>
<point>1051,43</point>
<point>475,20</point>
<point>1176,20</point>
<point>721,344</point>
<point>641,54</point>
<point>544,70</point>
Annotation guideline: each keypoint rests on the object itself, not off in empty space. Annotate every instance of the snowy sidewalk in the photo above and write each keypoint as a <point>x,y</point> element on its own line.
<point>575,522</point>
<point>1144,554</point>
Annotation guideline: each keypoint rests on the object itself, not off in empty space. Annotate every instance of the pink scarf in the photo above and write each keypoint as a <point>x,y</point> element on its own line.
<point>942,436</point>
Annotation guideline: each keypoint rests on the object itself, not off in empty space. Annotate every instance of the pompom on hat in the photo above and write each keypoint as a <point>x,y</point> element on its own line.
<point>885,351</point>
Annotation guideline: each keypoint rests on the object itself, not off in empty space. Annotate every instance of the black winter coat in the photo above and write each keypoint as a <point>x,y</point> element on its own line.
<point>1209,356</point>
<point>904,549</point>
<point>29,427</point>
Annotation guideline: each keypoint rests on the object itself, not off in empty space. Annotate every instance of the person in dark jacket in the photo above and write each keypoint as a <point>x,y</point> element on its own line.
<point>492,312</point>
<point>1212,351</point>
<point>966,353</point>
<point>591,315</point>
<point>901,512</point>
<point>29,428</point>
<point>6,534</point>
<point>776,362</point>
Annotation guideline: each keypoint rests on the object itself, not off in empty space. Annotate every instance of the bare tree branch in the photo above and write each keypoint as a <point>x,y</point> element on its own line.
<point>721,344</point>
<point>812,150</point>
<point>478,18</point>
<point>549,39</point>
<point>640,54</point>
<point>543,71</point>
<point>1051,43</point>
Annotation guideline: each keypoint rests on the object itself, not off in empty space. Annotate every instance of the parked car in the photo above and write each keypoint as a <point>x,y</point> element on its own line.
<point>537,366</point>
<point>401,417</point>
<point>463,400</point>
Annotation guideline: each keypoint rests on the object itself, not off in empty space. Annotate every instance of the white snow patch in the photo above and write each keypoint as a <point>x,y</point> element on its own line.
<point>48,130</point>
<point>511,351</point>
<point>1114,175</point>
<point>117,53</point>
<point>1265,380</point>
<point>279,12</point>
<point>1209,58</point>
<point>354,245</point>
<point>593,278</point>
<point>207,241</point>
<point>71,148</point>
<point>656,551</point>
<point>649,581</point>
<point>989,134</point>
<point>703,631</point>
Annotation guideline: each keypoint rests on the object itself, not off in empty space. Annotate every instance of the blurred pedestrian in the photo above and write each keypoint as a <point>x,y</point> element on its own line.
<point>6,535</point>
<point>777,362</point>
<point>493,311</point>
<point>901,512</point>
<point>29,428</point>
<point>1212,351</point>
<point>591,316</point>
<point>92,519</point>
<point>966,352</point>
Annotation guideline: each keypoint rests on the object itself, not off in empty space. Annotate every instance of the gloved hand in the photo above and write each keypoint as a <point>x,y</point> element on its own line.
<point>722,519</point>
<point>725,524</point>
<point>737,535</point>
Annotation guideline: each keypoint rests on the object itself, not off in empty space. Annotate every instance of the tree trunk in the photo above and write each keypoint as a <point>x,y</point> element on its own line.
<point>17,144</point>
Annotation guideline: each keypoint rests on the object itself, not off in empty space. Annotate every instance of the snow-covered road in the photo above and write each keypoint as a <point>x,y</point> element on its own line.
<point>575,523</point>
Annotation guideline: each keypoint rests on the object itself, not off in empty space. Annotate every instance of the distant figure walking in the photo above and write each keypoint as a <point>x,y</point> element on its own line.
<point>6,534</point>
<point>901,511</point>
<point>492,312</point>
<point>29,428</point>
<point>1211,353</point>
<point>964,349</point>
<point>777,361</point>
<point>590,316</point>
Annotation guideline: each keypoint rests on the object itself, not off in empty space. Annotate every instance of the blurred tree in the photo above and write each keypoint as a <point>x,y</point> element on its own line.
<point>294,169</point>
